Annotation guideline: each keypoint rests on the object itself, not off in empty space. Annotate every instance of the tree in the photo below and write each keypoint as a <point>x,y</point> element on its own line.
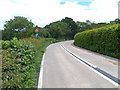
<point>83,26</point>
<point>17,27</point>
<point>71,25</point>
<point>116,21</point>
<point>57,29</point>
<point>44,33</point>
<point>0,34</point>
<point>66,28</point>
<point>18,24</point>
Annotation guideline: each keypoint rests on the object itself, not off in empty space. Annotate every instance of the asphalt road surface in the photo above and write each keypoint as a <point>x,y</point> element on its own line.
<point>67,66</point>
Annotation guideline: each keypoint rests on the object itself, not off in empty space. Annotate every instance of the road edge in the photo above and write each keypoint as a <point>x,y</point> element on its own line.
<point>40,77</point>
<point>41,73</point>
<point>89,65</point>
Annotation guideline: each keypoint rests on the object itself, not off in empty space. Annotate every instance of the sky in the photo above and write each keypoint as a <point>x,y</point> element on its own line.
<point>43,12</point>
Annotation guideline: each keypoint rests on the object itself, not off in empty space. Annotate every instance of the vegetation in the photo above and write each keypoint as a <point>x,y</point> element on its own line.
<point>103,40</point>
<point>57,29</point>
<point>21,61</point>
<point>18,27</point>
<point>84,26</point>
<point>21,27</point>
<point>66,28</point>
<point>16,62</point>
<point>21,56</point>
<point>71,24</point>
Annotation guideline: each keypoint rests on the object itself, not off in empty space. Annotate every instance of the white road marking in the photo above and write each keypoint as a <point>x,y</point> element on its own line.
<point>40,80</point>
<point>105,77</point>
<point>41,73</point>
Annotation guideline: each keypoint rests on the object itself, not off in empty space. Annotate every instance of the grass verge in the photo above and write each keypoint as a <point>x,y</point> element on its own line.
<point>21,61</point>
<point>40,45</point>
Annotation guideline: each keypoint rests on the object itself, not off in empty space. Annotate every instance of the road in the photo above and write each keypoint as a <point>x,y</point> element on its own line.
<point>61,69</point>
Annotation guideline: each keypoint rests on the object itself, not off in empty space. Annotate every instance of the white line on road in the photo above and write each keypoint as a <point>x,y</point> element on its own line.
<point>41,73</point>
<point>90,66</point>
<point>40,80</point>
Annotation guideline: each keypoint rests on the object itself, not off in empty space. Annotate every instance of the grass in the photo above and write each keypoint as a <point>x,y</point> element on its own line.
<point>40,45</point>
<point>21,61</point>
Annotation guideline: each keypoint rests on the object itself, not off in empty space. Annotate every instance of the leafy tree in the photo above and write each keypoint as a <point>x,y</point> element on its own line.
<point>0,34</point>
<point>44,33</point>
<point>8,34</point>
<point>71,25</point>
<point>58,29</point>
<point>83,26</point>
<point>18,24</point>
<point>19,27</point>
<point>116,21</point>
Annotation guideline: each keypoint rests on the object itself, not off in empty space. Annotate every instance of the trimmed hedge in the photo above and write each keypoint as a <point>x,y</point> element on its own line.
<point>104,40</point>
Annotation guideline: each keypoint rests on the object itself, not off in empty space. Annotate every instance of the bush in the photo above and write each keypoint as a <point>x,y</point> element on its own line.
<point>16,62</point>
<point>21,61</point>
<point>105,40</point>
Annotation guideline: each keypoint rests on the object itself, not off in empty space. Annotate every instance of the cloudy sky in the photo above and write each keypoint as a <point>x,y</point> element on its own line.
<point>43,12</point>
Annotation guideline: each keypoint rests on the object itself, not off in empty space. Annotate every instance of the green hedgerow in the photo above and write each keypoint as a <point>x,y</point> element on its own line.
<point>17,59</point>
<point>105,40</point>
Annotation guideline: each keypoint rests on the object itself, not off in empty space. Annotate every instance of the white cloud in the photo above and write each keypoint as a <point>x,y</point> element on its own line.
<point>43,12</point>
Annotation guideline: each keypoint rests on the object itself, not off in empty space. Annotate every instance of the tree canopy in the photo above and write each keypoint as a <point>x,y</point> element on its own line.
<point>17,27</point>
<point>57,29</point>
<point>71,24</point>
<point>18,24</point>
<point>66,28</point>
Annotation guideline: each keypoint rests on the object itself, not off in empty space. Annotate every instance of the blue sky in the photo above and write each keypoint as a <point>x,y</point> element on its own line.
<point>43,12</point>
<point>81,2</point>
<point>85,3</point>
<point>63,2</point>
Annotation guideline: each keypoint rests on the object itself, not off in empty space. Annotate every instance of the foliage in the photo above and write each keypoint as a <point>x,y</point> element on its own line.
<point>58,29</point>
<point>0,34</point>
<point>66,28</point>
<point>84,26</point>
<point>116,21</point>
<point>104,40</point>
<point>44,33</point>
<point>18,27</point>
<point>16,62</point>
<point>18,24</point>
<point>71,24</point>
<point>21,61</point>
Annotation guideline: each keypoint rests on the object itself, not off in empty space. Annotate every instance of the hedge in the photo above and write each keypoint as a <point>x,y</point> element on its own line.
<point>104,40</point>
<point>17,61</point>
<point>21,61</point>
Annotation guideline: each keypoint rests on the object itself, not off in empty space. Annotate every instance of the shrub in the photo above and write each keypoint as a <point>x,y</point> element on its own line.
<point>16,62</point>
<point>21,61</point>
<point>105,40</point>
